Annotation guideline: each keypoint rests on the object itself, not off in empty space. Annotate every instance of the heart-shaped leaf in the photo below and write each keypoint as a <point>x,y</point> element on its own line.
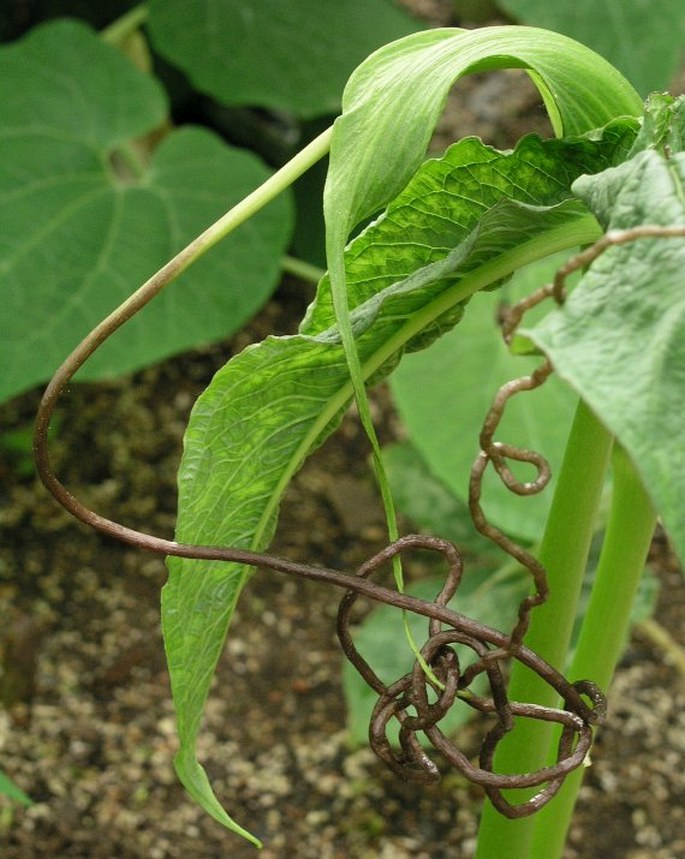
<point>89,212</point>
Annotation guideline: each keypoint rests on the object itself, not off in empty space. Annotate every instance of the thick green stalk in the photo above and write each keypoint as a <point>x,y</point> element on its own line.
<point>563,553</point>
<point>606,625</point>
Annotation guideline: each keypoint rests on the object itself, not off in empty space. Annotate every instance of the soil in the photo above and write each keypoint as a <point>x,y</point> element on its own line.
<point>88,728</point>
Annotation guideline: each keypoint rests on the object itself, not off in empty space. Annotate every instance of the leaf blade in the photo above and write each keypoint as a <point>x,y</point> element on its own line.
<point>243,55</point>
<point>83,224</point>
<point>627,323</point>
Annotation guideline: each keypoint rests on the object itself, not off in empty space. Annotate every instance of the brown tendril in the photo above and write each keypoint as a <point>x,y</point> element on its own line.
<point>497,453</point>
<point>409,700</point>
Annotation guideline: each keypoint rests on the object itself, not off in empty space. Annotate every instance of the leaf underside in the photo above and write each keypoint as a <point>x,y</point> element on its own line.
<point>620,339</point>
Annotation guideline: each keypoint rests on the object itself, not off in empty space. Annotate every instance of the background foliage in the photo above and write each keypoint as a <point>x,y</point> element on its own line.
<point>92,160</point>
<point>643,38</point>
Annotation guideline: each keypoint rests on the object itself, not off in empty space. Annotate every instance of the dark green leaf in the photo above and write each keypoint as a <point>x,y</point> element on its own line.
<point>88,213</point>
<point>290,55</point>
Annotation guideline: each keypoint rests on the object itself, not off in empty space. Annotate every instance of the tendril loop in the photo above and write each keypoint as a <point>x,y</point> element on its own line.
<point>408,700</point>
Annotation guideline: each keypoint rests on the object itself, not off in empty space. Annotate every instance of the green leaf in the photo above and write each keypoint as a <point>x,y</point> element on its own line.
<point>88,213</point>
<point>276,401</point>
<point>447,200</point>
<point>285,54</point>
<point>663,125</point>
<point>642,38</point>
<point>620,338</point>
<point>390,108</point>
<point>9,788</point>
<point>393,100</point>
<point>444,393</point>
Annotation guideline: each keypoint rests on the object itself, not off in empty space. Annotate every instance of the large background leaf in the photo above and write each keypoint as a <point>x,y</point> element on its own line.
<point>620,339</point>
<point>642,38</point>
<point>82,227</point>
<point>293,55</point>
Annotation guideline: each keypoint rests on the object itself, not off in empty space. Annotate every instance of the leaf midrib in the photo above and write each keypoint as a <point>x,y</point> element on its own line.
<point>581,230</point>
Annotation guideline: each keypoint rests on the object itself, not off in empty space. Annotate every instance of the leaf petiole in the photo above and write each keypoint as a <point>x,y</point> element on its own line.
<point>128,23</point>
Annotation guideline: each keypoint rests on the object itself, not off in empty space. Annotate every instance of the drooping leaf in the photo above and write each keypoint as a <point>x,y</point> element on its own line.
<point>620,339</point>
<point>392,102</point>
<point>290,55</point>
<point>390,108</point>
<point>88,212</point>
<point>276,401</point>
<point>642,38</point>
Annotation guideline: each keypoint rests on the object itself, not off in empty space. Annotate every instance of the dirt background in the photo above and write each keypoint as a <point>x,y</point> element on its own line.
<point>90,730</point>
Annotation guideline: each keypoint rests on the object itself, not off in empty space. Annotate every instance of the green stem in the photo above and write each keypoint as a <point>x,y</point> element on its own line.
<point>117,31</point>
<point>301,269</point>
<point>606,625</point>
<point>563,553</point>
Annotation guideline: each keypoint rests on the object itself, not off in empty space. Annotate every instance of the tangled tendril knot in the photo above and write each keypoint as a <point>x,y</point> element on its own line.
<point>418,703</point>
